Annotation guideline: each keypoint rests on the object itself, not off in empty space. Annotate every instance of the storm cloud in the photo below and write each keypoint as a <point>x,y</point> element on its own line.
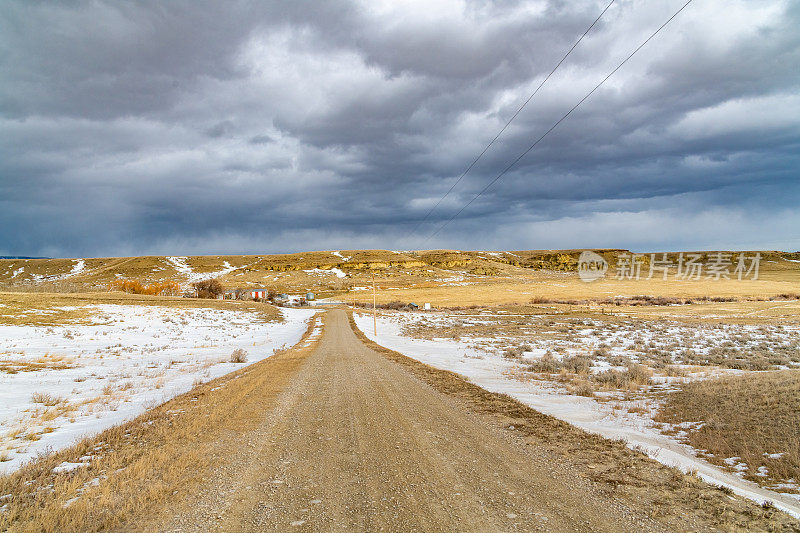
<point>233,127</point>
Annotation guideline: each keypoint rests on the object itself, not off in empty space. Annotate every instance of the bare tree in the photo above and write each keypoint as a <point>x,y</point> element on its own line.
<point>208,288</point>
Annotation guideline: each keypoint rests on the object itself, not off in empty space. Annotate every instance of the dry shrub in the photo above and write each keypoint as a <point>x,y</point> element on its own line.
<point>647,300</point>
<point>577,364</point>
<point>576,371</point>
<point>239,356</point>
<point>617,360</point>
<point>581,387</point>
<point>675,371</point>
<point>209,288</point>
<point>395,305</point>
<point>513,352</point>
<point>631,378</point>
<point>733,357</point>
<point>158,288</point>
<point>565,301</point>
<point>547,364</point>
<point>639,374</point>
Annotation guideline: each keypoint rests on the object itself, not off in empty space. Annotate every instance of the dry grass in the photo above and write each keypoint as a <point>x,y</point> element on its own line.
<point>13,366</point>
<point>149,463</point>
<point>630,379</point>
<point>682,502</point>
<point>554,288</point>
<point>575,372</point>
<point>750,417</point>
<point>46,399</point>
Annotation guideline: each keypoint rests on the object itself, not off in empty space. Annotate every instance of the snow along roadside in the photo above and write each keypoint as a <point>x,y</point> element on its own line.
<point>585,413</point>
<point>131,359</point>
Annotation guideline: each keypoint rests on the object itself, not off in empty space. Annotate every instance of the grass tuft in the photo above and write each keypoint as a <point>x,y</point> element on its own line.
<point>46,399</point>
<point>239,356</point>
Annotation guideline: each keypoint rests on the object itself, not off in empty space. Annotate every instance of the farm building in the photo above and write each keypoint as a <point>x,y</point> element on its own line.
<point>259,294</point>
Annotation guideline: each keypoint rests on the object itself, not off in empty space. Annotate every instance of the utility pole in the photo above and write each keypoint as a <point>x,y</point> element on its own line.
<point>374,305</point>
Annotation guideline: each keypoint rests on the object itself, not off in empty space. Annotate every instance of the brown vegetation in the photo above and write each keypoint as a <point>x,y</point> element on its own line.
<point>158,288</point>
<point>575,371</point>
<point>46,362</point>
<point>395,305</point>
<point>754,417</point>
<point>209,288</point>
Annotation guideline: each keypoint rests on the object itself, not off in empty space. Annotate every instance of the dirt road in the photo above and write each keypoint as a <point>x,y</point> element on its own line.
<point>357,443</point>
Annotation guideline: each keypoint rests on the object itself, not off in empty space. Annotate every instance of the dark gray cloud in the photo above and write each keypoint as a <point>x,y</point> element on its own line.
<point>206,127</point>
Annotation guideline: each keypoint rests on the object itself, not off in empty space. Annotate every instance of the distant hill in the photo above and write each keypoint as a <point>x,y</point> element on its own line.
<point>318,271</point>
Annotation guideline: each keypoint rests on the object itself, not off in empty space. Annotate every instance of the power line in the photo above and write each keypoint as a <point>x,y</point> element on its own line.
<point>559,121</point>
<point>453,186</point>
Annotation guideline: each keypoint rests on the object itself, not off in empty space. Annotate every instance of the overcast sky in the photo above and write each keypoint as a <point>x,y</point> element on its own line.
<point>187,127</point>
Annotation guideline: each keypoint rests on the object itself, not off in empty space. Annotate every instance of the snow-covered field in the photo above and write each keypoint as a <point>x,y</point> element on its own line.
<point>617,341</point>
<point>59,384</point>
<point>490,370</point>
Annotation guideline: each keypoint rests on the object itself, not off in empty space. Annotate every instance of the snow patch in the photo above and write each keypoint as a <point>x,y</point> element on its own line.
<point>130,359</point>
<point>66,466</point>
<point>179,264</point>
<point>77,268</point>
<point>338,272</point>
